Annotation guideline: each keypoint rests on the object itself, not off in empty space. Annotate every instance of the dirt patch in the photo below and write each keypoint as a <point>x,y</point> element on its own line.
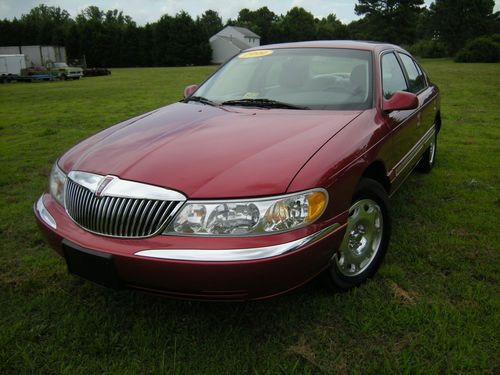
<point>403,296</point>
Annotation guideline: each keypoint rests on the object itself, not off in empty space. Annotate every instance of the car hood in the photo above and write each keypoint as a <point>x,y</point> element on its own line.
<point>209,152</point>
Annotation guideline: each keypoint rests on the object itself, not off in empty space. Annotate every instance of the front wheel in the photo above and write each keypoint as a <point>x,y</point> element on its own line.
<point>366,238</point>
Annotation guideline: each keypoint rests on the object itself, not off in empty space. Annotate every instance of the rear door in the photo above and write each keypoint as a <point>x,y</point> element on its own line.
<point>418,85</point>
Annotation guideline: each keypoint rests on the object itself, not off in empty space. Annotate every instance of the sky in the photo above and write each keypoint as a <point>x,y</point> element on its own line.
<point>143,11</point>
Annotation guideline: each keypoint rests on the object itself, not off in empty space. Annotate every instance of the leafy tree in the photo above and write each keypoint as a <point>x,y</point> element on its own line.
<point>260,21</point>
<point>179,41</point>
<point>331,28</point>
<point>91,35</point>
<point>46,24</point>
<point>388,20</point>
<point>111,38</point>
<point>456,21</point>
<point>11,32</point>
<point>210,23</point>
<point>146,45</point>
<point>482,49</point>
<point>297,25</point>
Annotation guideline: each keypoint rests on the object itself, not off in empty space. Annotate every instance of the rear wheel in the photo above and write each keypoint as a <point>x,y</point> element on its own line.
<point>429,157</point>
<point>366,238</point>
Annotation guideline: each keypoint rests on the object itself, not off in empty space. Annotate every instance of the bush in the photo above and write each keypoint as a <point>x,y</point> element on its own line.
<point>428,49</point>
<point>482,49</point>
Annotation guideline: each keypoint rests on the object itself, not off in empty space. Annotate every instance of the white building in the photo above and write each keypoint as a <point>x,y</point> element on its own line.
<point>230,41</point>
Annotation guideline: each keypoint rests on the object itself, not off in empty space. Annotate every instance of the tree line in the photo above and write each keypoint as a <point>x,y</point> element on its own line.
<point>112,39</point>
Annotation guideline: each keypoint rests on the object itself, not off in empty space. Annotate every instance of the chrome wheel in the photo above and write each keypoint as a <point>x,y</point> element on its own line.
<point>429,156</point>
<point>363,237</point>
<point>432,150</point>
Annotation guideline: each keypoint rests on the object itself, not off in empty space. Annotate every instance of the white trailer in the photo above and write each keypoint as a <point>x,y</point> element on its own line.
<point>11,65</point>
<point>37,56</point>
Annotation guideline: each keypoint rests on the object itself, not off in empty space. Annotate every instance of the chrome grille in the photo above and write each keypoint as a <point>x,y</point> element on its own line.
<point>117,216</point>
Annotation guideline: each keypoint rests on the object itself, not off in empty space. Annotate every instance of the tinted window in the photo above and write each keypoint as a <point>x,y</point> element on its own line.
<point>393,78</point>
<point>416,78</point>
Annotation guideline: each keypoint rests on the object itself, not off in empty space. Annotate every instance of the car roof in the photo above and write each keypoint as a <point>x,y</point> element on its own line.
<point>350,44</point>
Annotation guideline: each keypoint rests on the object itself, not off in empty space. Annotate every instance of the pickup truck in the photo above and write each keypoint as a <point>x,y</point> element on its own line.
<point>63,71</point>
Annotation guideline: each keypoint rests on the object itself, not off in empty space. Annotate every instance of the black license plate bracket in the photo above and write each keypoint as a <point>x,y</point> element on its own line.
<point>91,265</point>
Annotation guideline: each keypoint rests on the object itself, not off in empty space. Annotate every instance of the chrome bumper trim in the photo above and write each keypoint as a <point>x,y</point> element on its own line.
<point>232,255</point>
<point>44,213</point>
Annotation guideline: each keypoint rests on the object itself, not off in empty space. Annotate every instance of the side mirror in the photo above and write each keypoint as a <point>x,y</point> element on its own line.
<point>400,101</point>
<point>189,90</point>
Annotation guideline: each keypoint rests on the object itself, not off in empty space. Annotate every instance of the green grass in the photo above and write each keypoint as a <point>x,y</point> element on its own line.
<point>434,307</point>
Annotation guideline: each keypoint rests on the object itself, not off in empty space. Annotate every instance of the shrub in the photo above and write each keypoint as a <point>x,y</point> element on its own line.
<point>428,49</point>
<point>482,49</point>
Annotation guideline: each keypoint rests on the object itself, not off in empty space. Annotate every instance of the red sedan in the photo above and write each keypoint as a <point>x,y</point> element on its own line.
<point>277,168</point>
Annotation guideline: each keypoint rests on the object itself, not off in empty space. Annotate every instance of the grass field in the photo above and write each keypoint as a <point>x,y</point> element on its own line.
<point>434,307</point>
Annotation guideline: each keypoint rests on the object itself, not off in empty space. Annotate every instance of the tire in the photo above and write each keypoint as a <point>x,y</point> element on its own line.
<point>366,239</point>
<point>428,160</point>
<point>63,77</point>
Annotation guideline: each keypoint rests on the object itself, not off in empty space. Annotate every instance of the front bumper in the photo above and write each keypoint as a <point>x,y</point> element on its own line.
<point>203,268</point>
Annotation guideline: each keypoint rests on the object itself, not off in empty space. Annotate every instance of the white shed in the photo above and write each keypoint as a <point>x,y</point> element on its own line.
<point>230,41</point>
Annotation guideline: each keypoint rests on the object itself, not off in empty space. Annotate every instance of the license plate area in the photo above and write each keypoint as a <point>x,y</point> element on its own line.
<point>91,265</point>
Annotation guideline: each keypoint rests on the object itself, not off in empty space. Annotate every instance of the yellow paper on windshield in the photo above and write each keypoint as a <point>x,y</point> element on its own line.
<point>259,53</point>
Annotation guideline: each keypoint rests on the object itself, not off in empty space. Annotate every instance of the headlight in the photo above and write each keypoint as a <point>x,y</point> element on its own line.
<point>57,182</point>
<point>249,217</point>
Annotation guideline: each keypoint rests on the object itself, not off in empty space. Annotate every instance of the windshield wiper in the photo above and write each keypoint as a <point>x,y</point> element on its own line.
<point>264,103</point>
<point>200,99</point>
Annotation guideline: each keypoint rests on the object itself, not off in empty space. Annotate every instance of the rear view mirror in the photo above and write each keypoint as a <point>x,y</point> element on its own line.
<point>400,101</point>
<point>189,90</point>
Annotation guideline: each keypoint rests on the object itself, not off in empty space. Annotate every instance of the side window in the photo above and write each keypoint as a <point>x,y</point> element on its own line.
<point>393,78</point>
<point>415,76</point>
<point>421,73</point>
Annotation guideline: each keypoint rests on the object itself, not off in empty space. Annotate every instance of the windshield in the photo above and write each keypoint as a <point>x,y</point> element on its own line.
<point>60,65</point>
<point>312,78</point>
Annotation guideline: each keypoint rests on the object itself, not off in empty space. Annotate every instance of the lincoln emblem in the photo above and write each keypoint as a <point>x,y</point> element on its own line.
<point>103,185</point>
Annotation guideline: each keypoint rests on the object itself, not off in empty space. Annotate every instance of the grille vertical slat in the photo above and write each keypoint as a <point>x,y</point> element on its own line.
<point>144,216</point>
<point>81,199</point>
<point>124,217</point>
<point>104,215</point>
<point>130,217</point>
<point>157,214</point>
<point>87,201</point>
<point>117,216</point>
<point>136,216</point>
<point>166,213</point>
<point>92,213</point>
<point>109,215</point>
